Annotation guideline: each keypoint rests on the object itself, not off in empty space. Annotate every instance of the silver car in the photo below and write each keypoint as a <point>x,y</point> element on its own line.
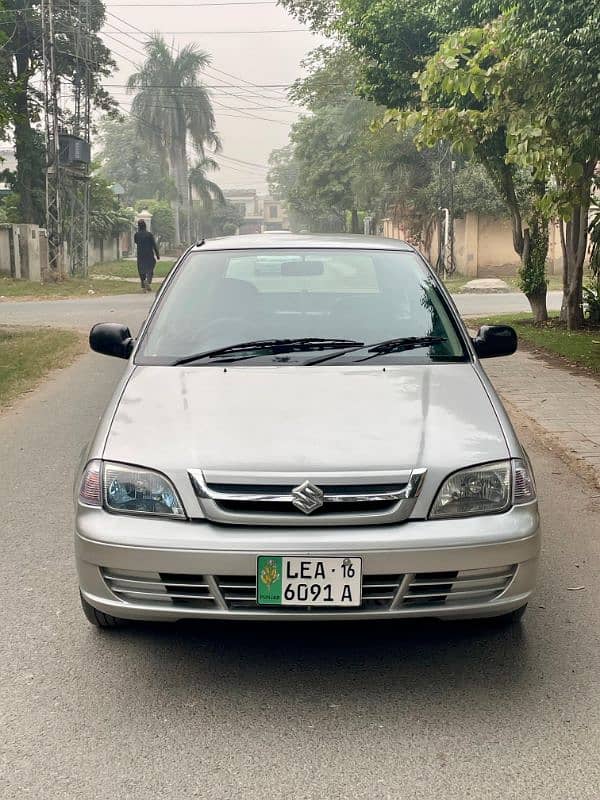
<point>304,431</point>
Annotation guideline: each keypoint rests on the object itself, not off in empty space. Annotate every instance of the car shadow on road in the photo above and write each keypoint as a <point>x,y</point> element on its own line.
<point>332,659</point>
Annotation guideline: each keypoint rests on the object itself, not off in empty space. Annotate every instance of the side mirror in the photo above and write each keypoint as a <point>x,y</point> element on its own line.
<point>495,340</point>
<point>112,339</point>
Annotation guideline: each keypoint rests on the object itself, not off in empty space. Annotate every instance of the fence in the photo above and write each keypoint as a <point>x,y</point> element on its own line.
<point>24,252</point>
<point>483,245</point>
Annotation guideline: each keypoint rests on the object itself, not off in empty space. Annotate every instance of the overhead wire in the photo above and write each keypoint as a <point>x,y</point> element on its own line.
<point>216,102</point>
<point>247,167</point>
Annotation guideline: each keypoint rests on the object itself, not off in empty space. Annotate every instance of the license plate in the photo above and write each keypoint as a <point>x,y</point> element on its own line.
<point>299,581</point>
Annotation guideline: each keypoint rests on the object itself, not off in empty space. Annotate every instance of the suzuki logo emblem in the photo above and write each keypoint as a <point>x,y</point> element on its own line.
<point>307,497</point>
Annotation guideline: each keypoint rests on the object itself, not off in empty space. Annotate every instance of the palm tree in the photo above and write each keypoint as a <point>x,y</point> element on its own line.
<point>206,190</point>
<point>172,105</point>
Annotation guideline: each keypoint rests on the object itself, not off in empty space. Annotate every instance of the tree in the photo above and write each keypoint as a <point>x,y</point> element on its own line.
<point>222,220</point>
<point>5,86</point>
<point>336,162</point>
<point>555,121</point>
<point>107,217</point>
<point>434,56</point>
<point>170,105</point>
<point>459,102</point>
<point>21,60</point>
<point>206,190</point>
<point>163,219</point>
<point>477,91</point>
<point>132,163</point>
<point>35,168</point>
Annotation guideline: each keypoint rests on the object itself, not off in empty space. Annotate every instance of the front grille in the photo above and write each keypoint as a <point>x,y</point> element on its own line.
<point>150,588</point>
<point>236,499</point>
<point>447,588</point>
<point>421,591</point>
<point>239,592</point>
<point>254,508</point>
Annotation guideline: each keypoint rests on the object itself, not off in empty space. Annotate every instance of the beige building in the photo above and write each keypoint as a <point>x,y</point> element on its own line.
<point>260,212</point>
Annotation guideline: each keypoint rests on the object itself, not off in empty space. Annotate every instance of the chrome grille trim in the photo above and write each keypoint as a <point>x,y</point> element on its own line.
<point>207,491</point>
<point>218,504</point>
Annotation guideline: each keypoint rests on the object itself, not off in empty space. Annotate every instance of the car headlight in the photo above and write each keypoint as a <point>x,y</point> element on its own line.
<point>131,490</point>
<point>486,489</point>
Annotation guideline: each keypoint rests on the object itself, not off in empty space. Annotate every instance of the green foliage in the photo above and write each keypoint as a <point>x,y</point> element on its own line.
<point>34,170</point>
<point>207,191</point>
<point>134,164</point>
<point>107,217</point>
<point>21,60</point>
<point>578,347</point>
<point>9,208</point>
<point>163,220</point>
<point>463,101</point>
<point>475,191</point>
<point>28,354</point>
<point>221,220</point>
<point>591,297</point>
<point>171,107</point>
<point>338,161</point>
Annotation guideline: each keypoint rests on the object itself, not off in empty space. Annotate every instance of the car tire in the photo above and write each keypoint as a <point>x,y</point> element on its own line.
<point>98,618</point>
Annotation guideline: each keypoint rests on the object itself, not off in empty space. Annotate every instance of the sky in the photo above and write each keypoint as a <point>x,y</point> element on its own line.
<point>252,111</point>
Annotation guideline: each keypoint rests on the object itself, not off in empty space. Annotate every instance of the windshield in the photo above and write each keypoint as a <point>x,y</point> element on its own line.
<point>228,297</point>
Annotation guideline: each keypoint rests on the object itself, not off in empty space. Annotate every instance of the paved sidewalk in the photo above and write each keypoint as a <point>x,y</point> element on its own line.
<point>564,406</point>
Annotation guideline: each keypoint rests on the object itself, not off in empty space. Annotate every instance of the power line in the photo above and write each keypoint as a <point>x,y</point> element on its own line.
<point>144,6</point>
<point>217,86</point>
<point>189,89</point>
<point>192,5</point>
<point>196,149</point>
<point>210,67</point>
<point>216,102</point>
<point>166,94</point>
<point>227,33</point>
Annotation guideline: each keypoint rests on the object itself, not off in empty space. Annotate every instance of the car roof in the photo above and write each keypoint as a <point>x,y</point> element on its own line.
<point>299,241</point>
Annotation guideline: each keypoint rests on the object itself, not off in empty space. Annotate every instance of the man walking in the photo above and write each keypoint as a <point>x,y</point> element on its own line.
<point>146,250</point>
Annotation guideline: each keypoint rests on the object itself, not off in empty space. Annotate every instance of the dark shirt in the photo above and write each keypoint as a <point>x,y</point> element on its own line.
<point>146,248</point>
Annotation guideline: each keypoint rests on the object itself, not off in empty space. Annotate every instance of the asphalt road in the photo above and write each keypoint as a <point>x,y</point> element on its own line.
<point>227,711</point>
<point>131,309</point>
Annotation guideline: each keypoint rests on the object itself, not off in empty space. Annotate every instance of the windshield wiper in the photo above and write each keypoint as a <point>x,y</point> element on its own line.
<point>272,346</point>
<point>387,346</point>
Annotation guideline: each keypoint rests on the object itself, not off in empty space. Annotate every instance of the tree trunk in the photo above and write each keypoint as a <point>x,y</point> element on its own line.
<point>24,143</point>
<point>178,169</point>
<point>575,245</point>
<point>537,301</point>
<point>565,272</point>
<point>355,225</point>
<point>529,243</point>
<point>182,184</point>
<point>189,211</point>
<point>533,267</point>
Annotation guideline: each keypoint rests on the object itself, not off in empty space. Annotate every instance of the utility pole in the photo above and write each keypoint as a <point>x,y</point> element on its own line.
<point>54,224</point>
<point>77,168</point>
<point>67,151</point>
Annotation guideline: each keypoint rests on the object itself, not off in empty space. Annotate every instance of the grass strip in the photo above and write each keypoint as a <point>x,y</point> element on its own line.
<point>577,347</point>
<point>28,354</point>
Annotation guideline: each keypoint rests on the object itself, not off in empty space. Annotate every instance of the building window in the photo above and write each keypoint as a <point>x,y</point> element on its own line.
<point>273,212</point>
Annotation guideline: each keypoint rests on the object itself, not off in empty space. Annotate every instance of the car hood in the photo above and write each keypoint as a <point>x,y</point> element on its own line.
<point>305,419</point>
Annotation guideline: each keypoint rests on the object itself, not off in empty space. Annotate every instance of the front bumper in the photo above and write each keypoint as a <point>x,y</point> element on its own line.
<point>448,553</point>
